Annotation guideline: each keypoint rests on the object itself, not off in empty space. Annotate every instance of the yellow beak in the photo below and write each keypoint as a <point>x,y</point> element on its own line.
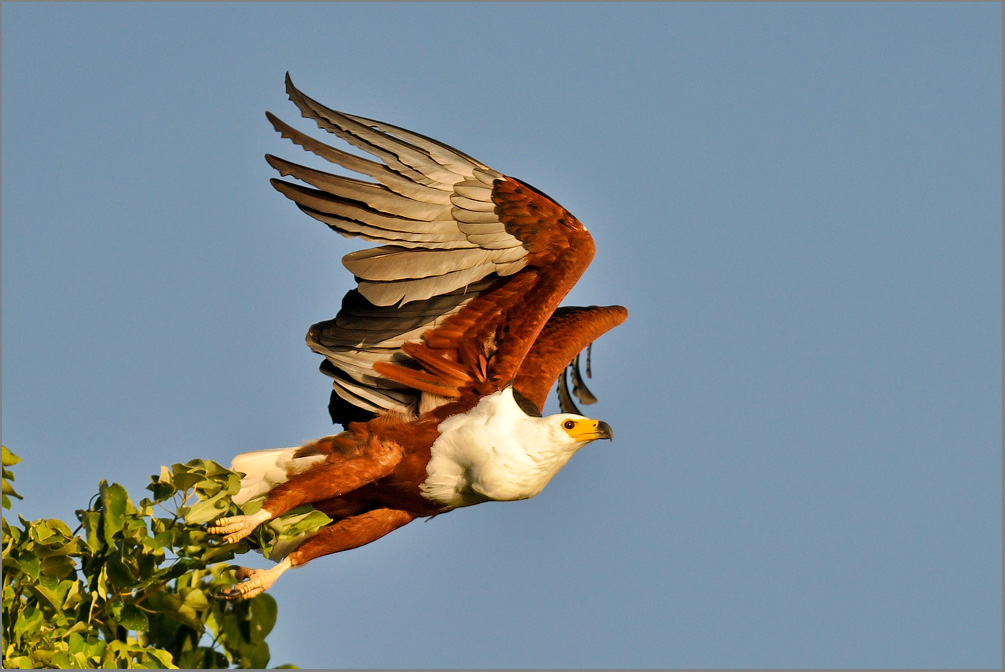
<point>592,430</point>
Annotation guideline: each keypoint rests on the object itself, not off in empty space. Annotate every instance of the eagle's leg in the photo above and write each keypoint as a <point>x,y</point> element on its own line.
<point>341,536</point>
<point>254,581</point>
<point>333,477</point>
<point>350,533</point>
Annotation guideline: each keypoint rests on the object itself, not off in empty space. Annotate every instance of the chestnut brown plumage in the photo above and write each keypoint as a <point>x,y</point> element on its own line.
<point>450,343</point>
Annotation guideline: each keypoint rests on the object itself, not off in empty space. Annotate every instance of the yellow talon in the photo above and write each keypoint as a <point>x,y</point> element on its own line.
<point>254,581</point>
<point>238,527</point>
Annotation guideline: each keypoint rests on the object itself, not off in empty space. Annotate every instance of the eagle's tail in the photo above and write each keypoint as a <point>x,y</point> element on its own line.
<point>265,469</point>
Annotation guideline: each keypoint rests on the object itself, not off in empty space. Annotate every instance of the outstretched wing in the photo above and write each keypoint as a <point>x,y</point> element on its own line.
<point>566,334</point>
<point>470,267</point>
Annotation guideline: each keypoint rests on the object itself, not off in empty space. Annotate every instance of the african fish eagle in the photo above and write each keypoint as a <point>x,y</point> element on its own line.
<point>443,356</point>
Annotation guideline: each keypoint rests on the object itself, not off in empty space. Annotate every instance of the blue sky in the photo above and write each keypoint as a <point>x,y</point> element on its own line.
<point>800,205</point>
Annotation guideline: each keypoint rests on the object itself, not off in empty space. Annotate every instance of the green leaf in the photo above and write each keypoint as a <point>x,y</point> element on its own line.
<point>72,601</point>
<point>91,520</point>
<point>208,467</point>
<point>184,480</point>
<point>263,617</point>
<point>74,596</point>
<point>206,510</point>
<point>302,520</point>
<point>144,657</point>
<point>224,553</point>
<point>162,489</point>
<point>258,656</point>
<point>95,650</point>
<point>119,573</point>
<point>76,643</point>
<point>79,626</point>
<point>47,593</point>
<point>102,591</point>
<point>9,458</point>
<point>8,492</point>
<point>43,658</point>
<point>52,533</point>
<point>59,566</point>
<point>196,599</point>
<point>253,506</point>
<point>181,612</point>
<point>163,657</point>
<point>132,618</point>
<point>29,622</point>
<point>115,502</point>
<point>53,538</point>
<point>30,565</point>
<point>162,540</point>
<point>134,529</point>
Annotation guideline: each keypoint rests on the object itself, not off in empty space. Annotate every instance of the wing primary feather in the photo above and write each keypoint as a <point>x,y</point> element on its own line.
<point>389,178</point>
<point>565,402</point>
<point>377,196</point>
<point>445,155</point>
<point>329,203</point>
<point>400,155</point>
<point>579,387</point>
<point>345,221</point>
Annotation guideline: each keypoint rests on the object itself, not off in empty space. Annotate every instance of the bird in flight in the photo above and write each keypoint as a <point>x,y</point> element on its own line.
<point>443,356</point>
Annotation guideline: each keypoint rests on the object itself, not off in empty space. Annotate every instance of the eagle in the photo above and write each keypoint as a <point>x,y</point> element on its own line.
<point>442,357</point>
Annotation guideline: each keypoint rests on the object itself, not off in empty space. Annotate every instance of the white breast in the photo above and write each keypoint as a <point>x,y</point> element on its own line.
<point>495,452</point>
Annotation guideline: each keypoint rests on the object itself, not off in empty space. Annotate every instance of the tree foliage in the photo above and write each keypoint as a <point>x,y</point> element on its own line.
<point>135,586</point>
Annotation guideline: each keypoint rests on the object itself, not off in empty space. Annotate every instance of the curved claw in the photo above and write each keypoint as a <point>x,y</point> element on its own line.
<point>238,527</point>
<point>254,581</point>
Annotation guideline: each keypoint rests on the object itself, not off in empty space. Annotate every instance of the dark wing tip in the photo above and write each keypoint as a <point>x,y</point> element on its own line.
<point>526,405</point>
<point>579,388</point>
<point>565,402</point>
<point>343,412</point>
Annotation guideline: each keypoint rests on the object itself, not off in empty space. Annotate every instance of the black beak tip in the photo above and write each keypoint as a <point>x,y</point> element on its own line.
<point>605,431</point>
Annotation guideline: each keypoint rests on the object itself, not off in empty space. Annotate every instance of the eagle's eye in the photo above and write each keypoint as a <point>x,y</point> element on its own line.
<point>569,424</point>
